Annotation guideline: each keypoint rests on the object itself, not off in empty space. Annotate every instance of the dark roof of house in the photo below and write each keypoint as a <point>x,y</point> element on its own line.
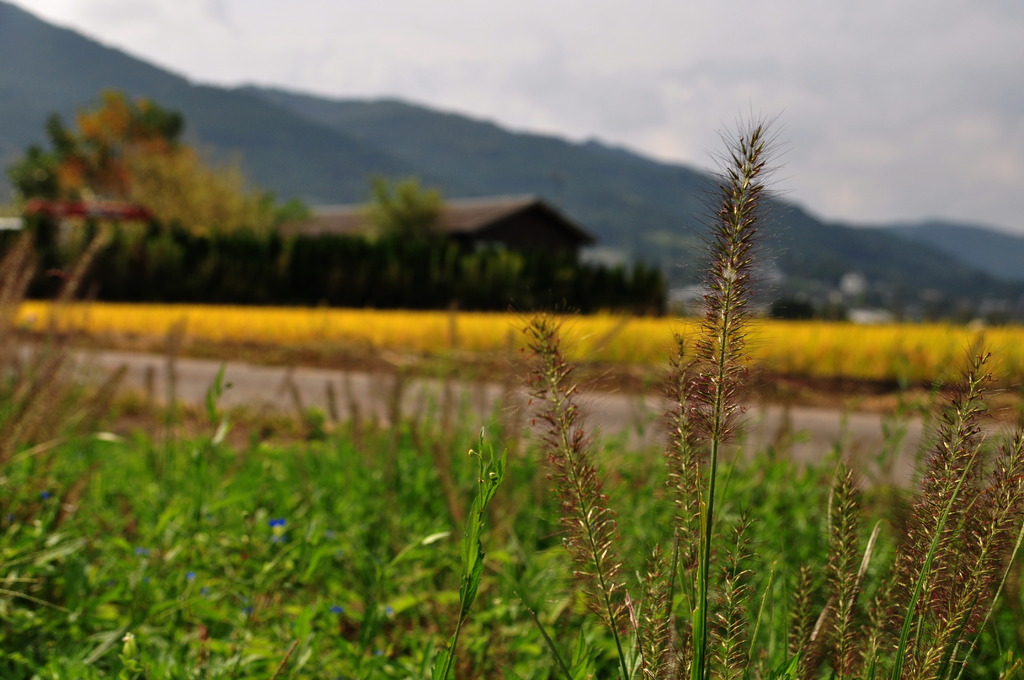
<point>458,216</point>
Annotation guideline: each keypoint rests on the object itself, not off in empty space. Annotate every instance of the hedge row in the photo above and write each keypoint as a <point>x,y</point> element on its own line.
<point>161,264</point>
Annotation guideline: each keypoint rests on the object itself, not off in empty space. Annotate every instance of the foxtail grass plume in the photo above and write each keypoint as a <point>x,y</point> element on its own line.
<point>719,358</point>
<point>965,527</point>
<point>589,524</point>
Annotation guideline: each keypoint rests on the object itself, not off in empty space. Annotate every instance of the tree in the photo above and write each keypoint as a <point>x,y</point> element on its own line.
<point>94,160</point>
<point>791,308</point>
<point>404,209</point>
<point>130,150</point>
<point>202,196</point>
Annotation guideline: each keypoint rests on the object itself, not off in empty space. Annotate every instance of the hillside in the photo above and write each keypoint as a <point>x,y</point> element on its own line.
<point>612,191</point>
<point>49,69</point>
<point>323,151</point>
<point>996,252</point>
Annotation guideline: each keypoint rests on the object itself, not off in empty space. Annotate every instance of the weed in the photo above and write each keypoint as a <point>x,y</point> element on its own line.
<point>700,620</point>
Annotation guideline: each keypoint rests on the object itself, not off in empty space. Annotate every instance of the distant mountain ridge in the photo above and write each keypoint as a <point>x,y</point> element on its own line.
<point>324,150</point>
<point>610,190</point>
<point>48,69</point>
<point>995,252</point>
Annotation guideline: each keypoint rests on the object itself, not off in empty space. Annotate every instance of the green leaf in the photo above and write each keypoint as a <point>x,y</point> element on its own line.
<point>444,665</point>
<point>213,394</point>
<point>491,473</point>
<point>787,670</point>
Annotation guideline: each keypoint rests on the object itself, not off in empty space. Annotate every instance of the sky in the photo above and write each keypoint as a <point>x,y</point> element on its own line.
<point>884,110</point>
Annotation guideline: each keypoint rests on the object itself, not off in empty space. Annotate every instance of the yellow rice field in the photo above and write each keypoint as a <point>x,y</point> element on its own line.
<point>905,352</point>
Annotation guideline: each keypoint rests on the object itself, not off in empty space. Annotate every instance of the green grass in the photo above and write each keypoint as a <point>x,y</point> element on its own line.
<point>218,559</point>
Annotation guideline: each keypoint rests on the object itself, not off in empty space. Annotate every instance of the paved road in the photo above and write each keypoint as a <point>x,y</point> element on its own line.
<point>811,433</point>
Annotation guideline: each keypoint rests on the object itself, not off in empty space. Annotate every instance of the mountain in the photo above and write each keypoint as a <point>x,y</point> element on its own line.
<point>612,191</point>
<point>324,150</point>
<point>998,253</point>
<point>48,69</point>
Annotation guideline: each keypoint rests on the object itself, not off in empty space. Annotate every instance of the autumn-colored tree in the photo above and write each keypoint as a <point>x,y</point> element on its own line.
<point>203,196</point>
<point>130,150</point>
<point>94,160</point>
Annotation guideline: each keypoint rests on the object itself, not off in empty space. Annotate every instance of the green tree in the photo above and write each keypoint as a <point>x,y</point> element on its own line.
<point>35,176</point>
<point>404,209</point>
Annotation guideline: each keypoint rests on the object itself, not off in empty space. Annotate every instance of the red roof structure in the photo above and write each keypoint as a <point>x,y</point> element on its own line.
<point>102,210</point>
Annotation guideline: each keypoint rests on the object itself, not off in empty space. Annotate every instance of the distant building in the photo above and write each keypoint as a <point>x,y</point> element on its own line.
<point>516,222</point>
<point>689,300</point>
<point>853,284</point>
<point>871,316</point>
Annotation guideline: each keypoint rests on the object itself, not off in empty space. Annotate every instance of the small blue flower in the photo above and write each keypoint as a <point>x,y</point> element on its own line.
<point>247,610</point>
<point>277,526</point>
<point>336,609</point>
<point>389,610</point>
<point>44,495</point>
<point>204,591</point>
<point>190,576</point>
<point>139,550</point>
<point>379,652</point>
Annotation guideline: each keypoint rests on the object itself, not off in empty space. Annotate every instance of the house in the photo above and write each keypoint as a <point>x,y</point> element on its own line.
<point>514,222</point>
